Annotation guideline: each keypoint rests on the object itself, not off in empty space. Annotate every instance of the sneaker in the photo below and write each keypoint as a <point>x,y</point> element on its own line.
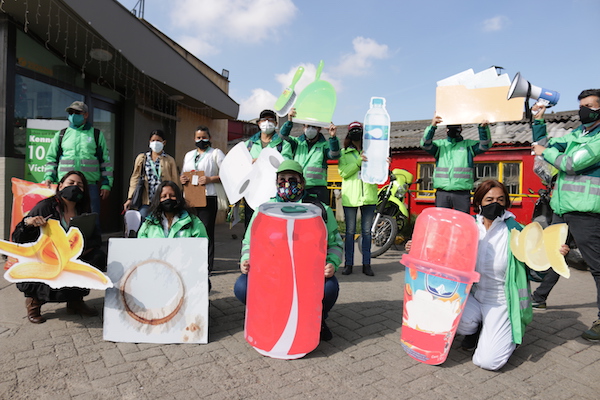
<point>326,334</point>
<point>538,305</point>
<point>592,334</point>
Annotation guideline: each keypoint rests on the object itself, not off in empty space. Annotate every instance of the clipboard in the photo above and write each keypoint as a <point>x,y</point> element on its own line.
<point>194,194</point>
<point>86,224</point>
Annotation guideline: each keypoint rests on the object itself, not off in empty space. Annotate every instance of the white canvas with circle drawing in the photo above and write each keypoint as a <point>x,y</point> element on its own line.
<point>160,292</point>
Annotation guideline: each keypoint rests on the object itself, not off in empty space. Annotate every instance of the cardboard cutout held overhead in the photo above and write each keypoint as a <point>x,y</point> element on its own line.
<point>316,104</point>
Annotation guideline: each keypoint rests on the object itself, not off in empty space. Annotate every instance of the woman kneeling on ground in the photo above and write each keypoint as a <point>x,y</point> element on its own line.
<point>72,198</point>
<point>499,306</point>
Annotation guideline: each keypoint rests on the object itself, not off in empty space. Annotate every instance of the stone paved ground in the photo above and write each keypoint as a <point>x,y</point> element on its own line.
<point>66,358</point>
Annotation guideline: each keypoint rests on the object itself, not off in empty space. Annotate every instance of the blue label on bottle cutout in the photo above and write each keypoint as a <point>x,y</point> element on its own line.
<point>376,132</point>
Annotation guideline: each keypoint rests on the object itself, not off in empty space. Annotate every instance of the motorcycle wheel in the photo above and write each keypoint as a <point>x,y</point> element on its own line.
<point>384,237</point>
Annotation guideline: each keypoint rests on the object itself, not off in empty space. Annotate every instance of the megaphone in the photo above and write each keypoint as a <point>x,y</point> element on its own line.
<point>520,87</point>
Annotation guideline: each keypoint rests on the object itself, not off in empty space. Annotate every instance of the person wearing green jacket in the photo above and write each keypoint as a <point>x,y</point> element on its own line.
<point>170,217</point>
<point>356,194</point>
<point>453,177</point>
<point>290,188</point>
<point>312,151</point>
<point>266,137</point>
<point>81,148</point>
<point>576,194</point>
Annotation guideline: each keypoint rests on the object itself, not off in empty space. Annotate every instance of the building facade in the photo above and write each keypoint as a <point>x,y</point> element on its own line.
<point>133,78</point>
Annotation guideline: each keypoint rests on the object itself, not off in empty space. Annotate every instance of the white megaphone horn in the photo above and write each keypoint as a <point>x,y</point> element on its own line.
<point>520,87</point>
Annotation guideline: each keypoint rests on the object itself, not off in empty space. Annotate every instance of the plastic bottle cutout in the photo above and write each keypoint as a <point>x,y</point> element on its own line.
<point>376,143</point>
<point>316,104</point>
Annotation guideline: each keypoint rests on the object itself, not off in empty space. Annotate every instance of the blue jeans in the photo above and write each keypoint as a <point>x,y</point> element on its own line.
<point>330,294</point>
<point>144,212</point>
<point>367,213</point>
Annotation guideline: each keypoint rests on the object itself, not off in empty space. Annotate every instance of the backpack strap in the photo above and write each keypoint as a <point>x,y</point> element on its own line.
<point>313,200</point>
<point>59,152</point>
<point>99,154</point>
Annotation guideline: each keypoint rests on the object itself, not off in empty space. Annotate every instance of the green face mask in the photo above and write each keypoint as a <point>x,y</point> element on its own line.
<point>76,120</point>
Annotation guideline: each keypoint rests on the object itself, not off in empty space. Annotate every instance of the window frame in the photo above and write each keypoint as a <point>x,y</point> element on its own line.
<point>428,194</point>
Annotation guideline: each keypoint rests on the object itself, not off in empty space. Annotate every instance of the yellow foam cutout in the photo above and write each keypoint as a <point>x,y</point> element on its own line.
<point>554,237</point>
<point>532,238</point>
<point>516,245</point>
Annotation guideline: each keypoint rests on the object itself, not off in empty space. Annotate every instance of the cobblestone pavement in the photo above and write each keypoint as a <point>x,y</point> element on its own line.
<point>66,358</point>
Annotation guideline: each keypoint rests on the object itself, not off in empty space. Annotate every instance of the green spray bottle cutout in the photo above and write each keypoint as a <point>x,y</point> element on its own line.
<point>316,104</point>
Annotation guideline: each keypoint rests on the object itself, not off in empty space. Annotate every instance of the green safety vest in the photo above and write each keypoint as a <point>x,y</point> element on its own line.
<point>577,158</point>
<point>313,158</point>
<point>77,150</point>
<point>454,169</point>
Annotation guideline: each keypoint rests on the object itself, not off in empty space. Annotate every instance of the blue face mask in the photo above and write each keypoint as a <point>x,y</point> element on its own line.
<point>76,120</point>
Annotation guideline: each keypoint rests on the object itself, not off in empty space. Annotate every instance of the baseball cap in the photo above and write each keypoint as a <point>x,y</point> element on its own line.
<point>290,165</point>
<point>77,106</point>
<point>355,125</point>
<point>267,114</point>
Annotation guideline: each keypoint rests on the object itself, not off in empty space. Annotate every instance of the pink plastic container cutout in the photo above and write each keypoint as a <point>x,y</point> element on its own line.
<point>284,300</point>
<point>440,270</point>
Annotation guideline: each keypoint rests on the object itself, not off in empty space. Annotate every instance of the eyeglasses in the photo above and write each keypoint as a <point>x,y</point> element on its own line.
<point>71,112</point>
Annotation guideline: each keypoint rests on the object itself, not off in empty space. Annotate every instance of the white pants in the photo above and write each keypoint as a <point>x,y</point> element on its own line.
<point>495,342</point>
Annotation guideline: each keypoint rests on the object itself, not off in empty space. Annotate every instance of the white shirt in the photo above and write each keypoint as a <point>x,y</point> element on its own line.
<point>209,162</point>
<point>492,260</point>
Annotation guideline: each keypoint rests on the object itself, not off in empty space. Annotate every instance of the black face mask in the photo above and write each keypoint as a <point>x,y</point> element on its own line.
<point>203,144</point>
<point>454,132</point>
<point>72,193</point>
<point>169,205</point>
<point>355,135</point>
<point>588,115</point>
<point>492,210</point>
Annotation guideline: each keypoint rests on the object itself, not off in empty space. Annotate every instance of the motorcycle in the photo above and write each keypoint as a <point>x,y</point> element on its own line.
<point>391,213</point>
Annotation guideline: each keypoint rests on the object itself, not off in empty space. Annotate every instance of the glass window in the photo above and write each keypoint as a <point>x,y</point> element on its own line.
<point>507,172</point>
<point>511,177</point>
<point>106,122</point>
<point>484,171</point>
<point>35,57</point>
<point>38,100</point>
<point>425,188</point>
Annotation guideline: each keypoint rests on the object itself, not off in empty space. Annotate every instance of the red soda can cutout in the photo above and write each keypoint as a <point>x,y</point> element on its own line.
<point>284,301</point>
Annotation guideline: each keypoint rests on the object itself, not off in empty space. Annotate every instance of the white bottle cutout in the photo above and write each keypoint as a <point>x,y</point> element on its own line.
<point>376,143</point>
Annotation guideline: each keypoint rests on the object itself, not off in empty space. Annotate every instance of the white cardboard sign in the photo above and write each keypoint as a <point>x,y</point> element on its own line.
<point>160,292</point>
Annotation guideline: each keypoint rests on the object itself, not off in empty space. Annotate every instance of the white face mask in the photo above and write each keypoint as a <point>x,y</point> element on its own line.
<point>311,132</point>
<point>267,127</point>
<point>156,146</point>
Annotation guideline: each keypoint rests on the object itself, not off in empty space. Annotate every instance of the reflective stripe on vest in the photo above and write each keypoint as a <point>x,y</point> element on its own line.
<point>315,173</point>
<point>335,251</point>
<point>457,173</point>
<point>90,161</point>
<point>581,184</point>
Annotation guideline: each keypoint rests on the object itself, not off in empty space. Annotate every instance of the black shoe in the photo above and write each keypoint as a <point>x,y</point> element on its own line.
<point>367,270</point>
<point>326,334</point>
<point>347,270</point>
